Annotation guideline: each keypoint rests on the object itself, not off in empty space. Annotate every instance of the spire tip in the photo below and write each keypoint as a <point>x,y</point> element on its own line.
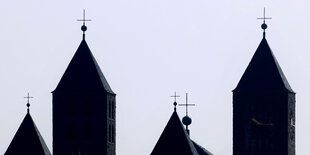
<point>175,101</point>
<point>28,104</point>
<point>264,25</point>
<point>83,27</point>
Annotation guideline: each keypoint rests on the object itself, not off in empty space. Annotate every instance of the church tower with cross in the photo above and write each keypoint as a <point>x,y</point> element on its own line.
<point>263,107</point>
<point>83,107</point>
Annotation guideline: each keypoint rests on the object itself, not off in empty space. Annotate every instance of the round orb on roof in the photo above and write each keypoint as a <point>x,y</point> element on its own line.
<point>264,26</point>
<point>83,28</point>
<point>186,120</point>
<point>28,105</point>
<point>175,103</point>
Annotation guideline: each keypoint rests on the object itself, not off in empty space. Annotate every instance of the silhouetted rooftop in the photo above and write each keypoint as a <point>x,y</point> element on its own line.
<point>263,72</point>
<point>27,140</point>
<point>83,74</point>
<point>174,139</point>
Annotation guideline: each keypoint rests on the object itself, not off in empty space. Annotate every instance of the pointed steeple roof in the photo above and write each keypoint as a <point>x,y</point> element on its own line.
<point>27,140</point>
<point>263,72</point>
<point>83,73</point>
<point>174,139</point>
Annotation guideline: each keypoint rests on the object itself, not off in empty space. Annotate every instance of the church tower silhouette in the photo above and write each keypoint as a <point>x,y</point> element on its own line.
<point>263,107</point>
<point>83,108</point>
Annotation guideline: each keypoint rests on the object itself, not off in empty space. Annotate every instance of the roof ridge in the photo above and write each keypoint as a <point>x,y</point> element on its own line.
<point>100,74</point>
<point>43,144</point>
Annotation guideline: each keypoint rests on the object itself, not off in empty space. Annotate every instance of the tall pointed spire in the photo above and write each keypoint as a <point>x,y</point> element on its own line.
<point>263,97</point>
<point>263,71</point>
<point>84,28</point>
<point>83,73</point>
<point>84,104</point>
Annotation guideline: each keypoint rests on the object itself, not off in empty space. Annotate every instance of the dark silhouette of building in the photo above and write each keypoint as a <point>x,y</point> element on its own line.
<point>83,108</point>
<point>27,139</point>
<point>175,139</point>
<point>84,113</point>
<point>263,107</point>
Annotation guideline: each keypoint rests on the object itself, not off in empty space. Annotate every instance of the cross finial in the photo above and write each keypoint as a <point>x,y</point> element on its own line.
<point>264,25</point>
<point>175,100</point>
<point>186,120</point>
<point>84,28</point>
<point>28,104</point>
<point>186,105</point>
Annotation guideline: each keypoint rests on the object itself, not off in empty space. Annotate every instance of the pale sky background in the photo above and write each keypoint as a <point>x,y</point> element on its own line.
<point>148,49</point>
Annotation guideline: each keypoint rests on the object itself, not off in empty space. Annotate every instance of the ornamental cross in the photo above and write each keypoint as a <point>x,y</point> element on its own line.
<point>186,105</point>
<point>175,96</point>
<point>28,97</point>
<point>84,20</point>
<point>264,18</point>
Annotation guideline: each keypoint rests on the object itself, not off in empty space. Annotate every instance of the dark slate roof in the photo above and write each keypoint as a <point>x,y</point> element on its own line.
<point>263,72</point>
<point>83,73</point>
<point>174,140</point>
<point>27,140</point>
<point>201,150</point>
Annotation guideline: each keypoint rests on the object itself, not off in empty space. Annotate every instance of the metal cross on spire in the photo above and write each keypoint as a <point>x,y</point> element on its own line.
<point>175,96</point>
<point>28,104</point>
<point>186,105</point>
<point>84,28</point>
<point>175,100</point>
<point>186,120</point>
<point>264,25</point>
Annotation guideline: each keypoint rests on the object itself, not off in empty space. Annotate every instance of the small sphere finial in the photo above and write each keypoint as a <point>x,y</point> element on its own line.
<point>83,28</point>
<point>28,104</point>
<point>175,105</point>
<point>175,101</point>
<point>186,120</point>
<point>264,26</point>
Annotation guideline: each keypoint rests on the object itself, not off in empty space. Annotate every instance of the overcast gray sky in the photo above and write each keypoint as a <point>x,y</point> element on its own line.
<point>148,49</point>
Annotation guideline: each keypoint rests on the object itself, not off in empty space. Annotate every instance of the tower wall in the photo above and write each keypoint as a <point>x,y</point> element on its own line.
<point>81,123</point>
<point>262,123</point>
